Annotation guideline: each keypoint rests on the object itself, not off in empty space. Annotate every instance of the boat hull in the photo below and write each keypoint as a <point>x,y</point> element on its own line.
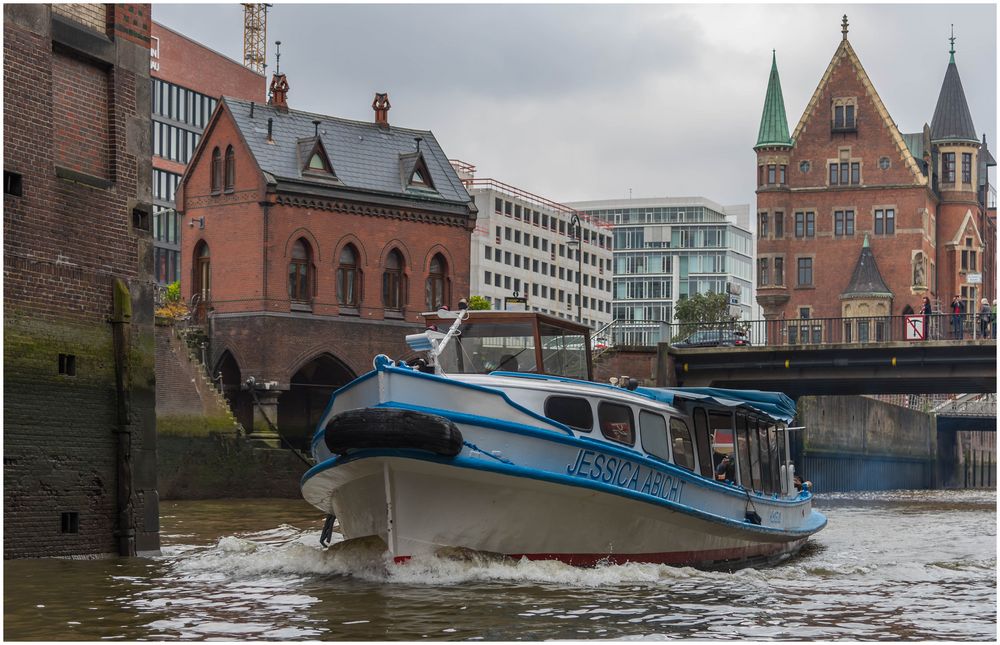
<point>418,504</point>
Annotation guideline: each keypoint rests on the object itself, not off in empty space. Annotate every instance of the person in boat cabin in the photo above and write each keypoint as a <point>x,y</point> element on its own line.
<point>726,470</point>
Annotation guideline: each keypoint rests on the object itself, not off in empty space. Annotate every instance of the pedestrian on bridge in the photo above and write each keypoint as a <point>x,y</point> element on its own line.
<point>984,318</point>
<point>957,309</point>
<point>925,311</point>
<point>994,318</point>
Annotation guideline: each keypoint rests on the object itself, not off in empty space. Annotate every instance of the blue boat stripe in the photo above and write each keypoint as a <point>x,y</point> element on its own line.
<point>514,470</point>
<point>582,442</point>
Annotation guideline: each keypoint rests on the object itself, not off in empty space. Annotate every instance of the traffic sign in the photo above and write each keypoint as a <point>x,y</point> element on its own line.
<point>915,327</point>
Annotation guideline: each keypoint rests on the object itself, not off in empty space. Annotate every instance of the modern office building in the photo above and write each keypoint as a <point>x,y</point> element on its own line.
<point>526,246</point>
<point>187,81</point>
<point>847,184</point>
<point>668,248</point>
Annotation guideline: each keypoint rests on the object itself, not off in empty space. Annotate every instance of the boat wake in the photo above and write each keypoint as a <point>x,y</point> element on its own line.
<point>289,551</point>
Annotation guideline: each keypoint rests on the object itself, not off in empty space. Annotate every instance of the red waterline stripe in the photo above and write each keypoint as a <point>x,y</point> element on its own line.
<point>673,557</point>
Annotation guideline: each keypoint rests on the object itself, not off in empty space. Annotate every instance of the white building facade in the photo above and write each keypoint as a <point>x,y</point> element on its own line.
<point>526,246</point>
<point>666,249</point>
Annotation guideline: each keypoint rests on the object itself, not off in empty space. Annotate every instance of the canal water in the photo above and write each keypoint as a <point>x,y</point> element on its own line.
<point>910,565</point>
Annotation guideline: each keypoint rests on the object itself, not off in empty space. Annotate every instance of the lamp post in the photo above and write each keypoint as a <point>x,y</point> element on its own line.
<point>577,243</point>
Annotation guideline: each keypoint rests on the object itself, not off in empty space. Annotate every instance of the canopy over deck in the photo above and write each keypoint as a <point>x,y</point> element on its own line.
<point>774,405</point>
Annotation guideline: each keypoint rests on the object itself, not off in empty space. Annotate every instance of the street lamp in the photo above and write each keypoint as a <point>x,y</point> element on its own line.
<point>576,242</point>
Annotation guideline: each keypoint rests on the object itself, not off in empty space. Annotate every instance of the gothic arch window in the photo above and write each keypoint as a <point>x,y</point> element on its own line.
<point>230,168</point>
<point>300,272</point>
<point>216,170</point>
<point>392,282</point>
<point>436,285</point>
<point>348,277</point>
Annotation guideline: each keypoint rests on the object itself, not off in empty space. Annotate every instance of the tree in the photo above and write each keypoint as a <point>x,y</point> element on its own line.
<point>701,309</point>
<point>479,303</point>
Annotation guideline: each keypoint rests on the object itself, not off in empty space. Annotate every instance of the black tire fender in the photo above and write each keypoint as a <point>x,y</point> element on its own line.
<point>392,428</point>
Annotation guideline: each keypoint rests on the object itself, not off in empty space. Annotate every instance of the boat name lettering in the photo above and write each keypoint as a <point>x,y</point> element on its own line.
<point>775,517</point>
<point>625,474</point>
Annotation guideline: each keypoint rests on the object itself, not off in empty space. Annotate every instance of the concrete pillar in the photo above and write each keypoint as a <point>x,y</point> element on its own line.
<point>265,418</point>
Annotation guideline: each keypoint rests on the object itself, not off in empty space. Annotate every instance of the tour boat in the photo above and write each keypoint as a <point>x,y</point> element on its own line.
<point>499,442</point>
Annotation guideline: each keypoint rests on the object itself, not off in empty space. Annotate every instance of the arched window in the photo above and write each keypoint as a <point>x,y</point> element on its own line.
<point>435,287</point>
<point>392,281</point>
<point>300,272</point>
<point>348,277</point>
<point>216,170</point>
<point>202,272</point>
<point>230,168</point>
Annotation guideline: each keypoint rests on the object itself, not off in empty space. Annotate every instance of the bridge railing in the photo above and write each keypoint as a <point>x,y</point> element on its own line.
<point>826,331</point>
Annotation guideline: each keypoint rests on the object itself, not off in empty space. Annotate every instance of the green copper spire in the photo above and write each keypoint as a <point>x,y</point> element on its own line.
<point>773,123</point>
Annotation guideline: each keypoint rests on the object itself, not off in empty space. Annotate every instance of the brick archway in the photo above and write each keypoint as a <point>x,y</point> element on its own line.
<point>302,406</point>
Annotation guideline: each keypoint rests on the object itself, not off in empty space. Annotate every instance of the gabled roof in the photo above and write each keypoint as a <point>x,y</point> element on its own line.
<point>952,120</point>
<point>866,281</point>
<point>846,53</point>
<point>773,122</point>
<point>410,164</point>
<point>366,157</point>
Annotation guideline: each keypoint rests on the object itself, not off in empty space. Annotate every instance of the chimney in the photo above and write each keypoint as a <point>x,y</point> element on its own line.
<point>381,106</point>
<point>279,91</point>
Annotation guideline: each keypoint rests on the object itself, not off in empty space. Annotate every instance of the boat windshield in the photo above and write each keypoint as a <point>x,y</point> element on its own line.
<point>498,342</point>
<point>483,347</point>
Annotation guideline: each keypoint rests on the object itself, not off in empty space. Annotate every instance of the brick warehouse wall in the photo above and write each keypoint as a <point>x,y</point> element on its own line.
<point>74,447</point>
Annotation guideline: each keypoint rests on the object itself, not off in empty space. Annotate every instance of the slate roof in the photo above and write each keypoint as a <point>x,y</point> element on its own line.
<point>363,155</point>
<point>773,122</point>
<point>866,281</point>
<point>952,120</point>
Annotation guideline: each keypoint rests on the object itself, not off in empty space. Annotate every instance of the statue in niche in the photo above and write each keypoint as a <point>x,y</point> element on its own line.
<point>918,269</point>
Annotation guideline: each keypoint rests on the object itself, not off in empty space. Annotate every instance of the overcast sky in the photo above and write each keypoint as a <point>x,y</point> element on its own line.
<point>580,102</point>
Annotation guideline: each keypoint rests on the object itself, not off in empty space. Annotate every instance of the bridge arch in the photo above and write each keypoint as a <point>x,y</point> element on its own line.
<point>310,387</point>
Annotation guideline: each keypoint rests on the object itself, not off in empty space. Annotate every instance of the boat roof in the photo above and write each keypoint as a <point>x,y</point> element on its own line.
<point>774,405</point>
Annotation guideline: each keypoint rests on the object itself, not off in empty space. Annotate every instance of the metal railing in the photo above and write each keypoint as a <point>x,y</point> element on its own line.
<point>821,331</point>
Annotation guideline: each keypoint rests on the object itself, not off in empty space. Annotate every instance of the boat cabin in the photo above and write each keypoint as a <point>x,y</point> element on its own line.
<point>514,341</point>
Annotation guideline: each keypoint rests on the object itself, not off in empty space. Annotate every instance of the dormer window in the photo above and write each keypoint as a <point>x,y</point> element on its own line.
<point>313,157</point>
<point>418,178</point>
<point>845,115</point>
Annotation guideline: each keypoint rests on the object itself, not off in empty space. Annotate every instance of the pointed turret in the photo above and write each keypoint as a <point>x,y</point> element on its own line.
<point>866,281</point>
<point>952,119</point>
<point>773,123</point>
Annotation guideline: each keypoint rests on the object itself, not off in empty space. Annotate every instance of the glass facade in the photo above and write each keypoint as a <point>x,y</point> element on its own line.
<point>665,253</point>
<point>179,117</point>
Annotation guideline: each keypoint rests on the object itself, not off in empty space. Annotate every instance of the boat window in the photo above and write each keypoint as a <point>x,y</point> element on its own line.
<point>782,457</point>
<point>616,422</point>
<point>484,347</point>
<point>754,455</point>
<point>743,446</point>
<point>720,424</point>
<point>680,442</point>
<point>767,481</point>
<point>564,353</point>
<point>773,458</point>
<point>653,430</point>
<point>571,410</point>
<point>701,438</point>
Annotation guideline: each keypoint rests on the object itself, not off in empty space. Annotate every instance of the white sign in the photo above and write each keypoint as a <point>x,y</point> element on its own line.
<point>154,54</point>
<point>974,278</point>
<point>915,327</point>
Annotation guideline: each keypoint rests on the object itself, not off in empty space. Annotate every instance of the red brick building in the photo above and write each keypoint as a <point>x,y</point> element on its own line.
<point>311,244</point>
<point>846,179</point>
<point>187,81</point>
<point>79,436</point>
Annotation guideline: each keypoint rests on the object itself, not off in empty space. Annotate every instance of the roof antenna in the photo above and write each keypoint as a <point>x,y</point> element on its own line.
<point>316,123</point>
<point>418,140</point>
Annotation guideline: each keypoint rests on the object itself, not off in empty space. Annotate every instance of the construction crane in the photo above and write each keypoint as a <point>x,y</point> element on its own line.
<point>255,36</point>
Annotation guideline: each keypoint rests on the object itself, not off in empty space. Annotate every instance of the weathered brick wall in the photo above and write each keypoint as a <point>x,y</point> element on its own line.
<point>637,363</point>
<point>220,467</point>
<point>81,120</point>
<point>90,14</point>
<point>66,241</point>
<point>181,386</point>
